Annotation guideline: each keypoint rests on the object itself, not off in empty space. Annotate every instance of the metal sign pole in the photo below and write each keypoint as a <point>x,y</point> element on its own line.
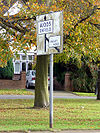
<point>49,42</point>
<point>51,90</point>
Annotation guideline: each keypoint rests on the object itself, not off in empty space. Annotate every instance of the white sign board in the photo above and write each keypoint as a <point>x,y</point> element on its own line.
<point>54,41</point>
<point>45,27</point>
<point>50,33</point>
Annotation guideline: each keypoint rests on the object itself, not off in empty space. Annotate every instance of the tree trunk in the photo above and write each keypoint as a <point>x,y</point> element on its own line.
<point>98,85</point>
<point>41,84</point>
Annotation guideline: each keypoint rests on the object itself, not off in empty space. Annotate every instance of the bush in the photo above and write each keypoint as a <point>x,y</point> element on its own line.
<point>8,71</point>
<point>59,72</point>
<point>85,78</point>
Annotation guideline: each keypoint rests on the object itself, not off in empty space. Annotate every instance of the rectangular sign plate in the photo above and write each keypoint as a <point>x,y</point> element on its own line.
<point>50,33</point>
<point>54,41</point>
<point>45,27</point>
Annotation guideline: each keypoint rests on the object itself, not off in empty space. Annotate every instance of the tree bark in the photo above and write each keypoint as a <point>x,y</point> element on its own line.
<point>98,85</point>
<point>41,84</point>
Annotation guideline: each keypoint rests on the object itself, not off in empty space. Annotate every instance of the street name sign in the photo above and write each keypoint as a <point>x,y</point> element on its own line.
<point>50,33</point>
<point>45,27</point>
<point>50,41</point>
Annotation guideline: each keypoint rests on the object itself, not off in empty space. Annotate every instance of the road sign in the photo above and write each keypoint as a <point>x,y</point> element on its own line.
<point>54,42</point>
<point>45,27</point>
<point>50,33</point>
<point>50,41</point>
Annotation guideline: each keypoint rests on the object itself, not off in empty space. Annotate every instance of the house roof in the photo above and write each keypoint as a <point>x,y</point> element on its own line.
<point>7,4</point>
<point>14,9</point>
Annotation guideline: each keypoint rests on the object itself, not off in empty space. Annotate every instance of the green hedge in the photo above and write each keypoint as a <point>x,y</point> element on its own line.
<point>84,77</point>
<point>8,71</point>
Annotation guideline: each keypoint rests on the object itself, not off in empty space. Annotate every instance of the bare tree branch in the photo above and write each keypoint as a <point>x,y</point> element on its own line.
<point>24,19</point>
<point>11,25</point>
<point>96,25</point>
<point>83,19</point>
<point>3,27</point>
<point>88,16</point>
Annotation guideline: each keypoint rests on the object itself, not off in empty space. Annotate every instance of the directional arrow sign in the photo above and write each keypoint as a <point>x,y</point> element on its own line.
<point>50,33</point>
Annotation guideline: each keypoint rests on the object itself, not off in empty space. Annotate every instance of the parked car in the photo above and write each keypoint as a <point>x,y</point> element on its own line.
<point>30,78</point>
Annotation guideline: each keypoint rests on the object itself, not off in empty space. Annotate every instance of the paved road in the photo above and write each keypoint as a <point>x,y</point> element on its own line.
<point>32,97</point>
<point>64,131</point>
<point>56,94</point>
<point>71,131</point>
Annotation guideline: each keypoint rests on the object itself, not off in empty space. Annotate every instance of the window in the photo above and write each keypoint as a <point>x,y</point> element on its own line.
<point>18,57</point>
<point>17,67</point>
<point>23,57</point>
<point>33,73</point>
<point>30,57</point>
<point>28,73</point>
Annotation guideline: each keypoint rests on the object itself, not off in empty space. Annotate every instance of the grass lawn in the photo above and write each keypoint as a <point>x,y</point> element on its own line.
<point>15,92</point>
<point>68,114</point>
<point>85,94</point>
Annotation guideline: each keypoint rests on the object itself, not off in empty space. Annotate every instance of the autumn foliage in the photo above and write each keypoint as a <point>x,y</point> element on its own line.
<point>81,28</point>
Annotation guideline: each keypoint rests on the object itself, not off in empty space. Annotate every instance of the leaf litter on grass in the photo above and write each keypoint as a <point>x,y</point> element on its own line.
<point>68,114</point>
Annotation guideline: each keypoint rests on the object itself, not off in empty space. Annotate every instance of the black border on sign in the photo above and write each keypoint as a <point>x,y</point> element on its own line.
<point>60,41</point>
<point>61,50</point>
<point>46,32</point>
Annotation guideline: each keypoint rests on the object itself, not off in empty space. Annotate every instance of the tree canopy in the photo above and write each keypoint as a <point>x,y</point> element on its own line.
<point>81,25</point>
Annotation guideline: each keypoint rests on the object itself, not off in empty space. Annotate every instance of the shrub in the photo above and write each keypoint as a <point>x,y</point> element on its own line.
<point>85,78</point>
<point>59,72</point>
<point>8,71</point>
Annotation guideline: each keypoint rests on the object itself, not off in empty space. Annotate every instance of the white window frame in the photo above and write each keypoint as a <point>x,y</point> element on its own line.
<point>15,66</point>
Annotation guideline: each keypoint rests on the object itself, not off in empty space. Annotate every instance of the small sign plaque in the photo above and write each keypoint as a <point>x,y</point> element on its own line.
<point>45,27</point>
<point>54,41</point>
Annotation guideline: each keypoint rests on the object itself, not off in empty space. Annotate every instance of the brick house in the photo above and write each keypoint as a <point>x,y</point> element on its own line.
<point>22,62</point>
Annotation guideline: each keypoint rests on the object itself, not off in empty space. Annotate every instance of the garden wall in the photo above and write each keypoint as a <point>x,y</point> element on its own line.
<point>19,82</point>
<point>68,84</point>
<point>15,83</point>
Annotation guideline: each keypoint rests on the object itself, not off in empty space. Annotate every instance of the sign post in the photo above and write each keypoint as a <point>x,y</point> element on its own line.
<point>51,90</point>
<point>49,42</point>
